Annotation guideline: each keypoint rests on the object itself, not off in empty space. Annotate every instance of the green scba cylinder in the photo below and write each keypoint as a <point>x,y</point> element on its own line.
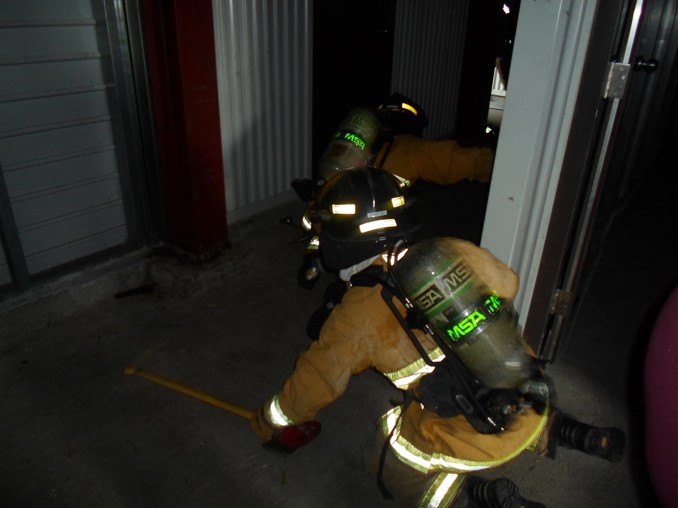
<point>351,145</point>
<point>481,329</point>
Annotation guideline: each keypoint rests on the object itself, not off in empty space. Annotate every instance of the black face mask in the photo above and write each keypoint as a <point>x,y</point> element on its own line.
<point>338,254</point>
<point>340,250</point>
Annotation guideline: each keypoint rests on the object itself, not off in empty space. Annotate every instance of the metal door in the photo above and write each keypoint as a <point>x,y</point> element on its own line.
<point>65,151</point>
<point>628,75</point>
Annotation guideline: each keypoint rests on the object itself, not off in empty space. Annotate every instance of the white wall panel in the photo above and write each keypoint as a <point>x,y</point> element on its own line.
<point>57,143</point>
<point>71,236</point>
<point>17,117</point>
<point>34,80</point>
<point>427,58</point>
<point>550,49</point>
<point>65,173</point>
<point>263,51</point>
<point>34,11</point>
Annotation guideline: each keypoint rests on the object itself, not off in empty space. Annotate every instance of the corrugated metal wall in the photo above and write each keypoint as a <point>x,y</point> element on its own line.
<point>264,70</point>
<point>264,66</point>
<point>57,147</point>
<point>57,141</point>
<point>427,58</point>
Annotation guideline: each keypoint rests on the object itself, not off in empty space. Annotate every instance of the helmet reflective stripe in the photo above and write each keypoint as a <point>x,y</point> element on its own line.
<point>413,372</point>
<point>276,415</point>
<point>406,106</point>
<point>398,201</point>
<point>344,209</point>
<point>442,491</point>
<point>378,224</point>
<point>350,208</point>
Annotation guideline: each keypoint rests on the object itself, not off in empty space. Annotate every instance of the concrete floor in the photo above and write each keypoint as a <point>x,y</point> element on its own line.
<point>76,431</point>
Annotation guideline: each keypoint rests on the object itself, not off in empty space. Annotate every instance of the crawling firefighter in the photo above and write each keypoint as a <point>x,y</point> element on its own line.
<point>435,318</point>
<point>390,137</point>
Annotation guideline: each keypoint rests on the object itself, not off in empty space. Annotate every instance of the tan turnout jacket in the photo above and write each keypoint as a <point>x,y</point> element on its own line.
<point>444,162</point>
<point>362,333</point>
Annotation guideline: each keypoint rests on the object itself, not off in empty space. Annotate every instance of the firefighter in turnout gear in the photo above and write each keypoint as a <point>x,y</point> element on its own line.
<point>390,137</point>
<point>401,150</point>
<point>426,449</point>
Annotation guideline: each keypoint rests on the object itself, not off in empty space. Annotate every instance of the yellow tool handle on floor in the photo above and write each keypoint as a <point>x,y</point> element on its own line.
<point>191,392</point>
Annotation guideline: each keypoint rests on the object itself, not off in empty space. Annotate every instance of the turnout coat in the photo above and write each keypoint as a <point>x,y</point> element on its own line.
<point>362,333</point>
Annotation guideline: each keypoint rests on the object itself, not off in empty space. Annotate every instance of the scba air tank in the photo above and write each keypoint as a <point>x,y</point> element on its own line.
<point>481,329</point>
<point>351,145</point>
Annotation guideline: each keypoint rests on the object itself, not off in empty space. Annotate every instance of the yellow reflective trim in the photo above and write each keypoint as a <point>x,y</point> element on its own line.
<point>405,382</point>
<point>276,415</point>
<point>406,106</point>
<point>398,201</point>
<point>413,458</point>
<point>535,436</point>
<point>534,446</point>
<point>313,244</point>
<point>442,491</point>
<point>411,373</point>
<point>306,222</point>
<point>344,209</point>
<point>427,462</point>
<point>378,224</point>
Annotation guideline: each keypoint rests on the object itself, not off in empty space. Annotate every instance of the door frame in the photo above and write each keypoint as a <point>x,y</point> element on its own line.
<point>129,104</point>
<point>619,136</point>
<point>578,186</point>
<point>551,42</point>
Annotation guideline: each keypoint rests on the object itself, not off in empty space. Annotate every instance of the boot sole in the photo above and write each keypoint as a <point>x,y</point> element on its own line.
<point>506,494</point>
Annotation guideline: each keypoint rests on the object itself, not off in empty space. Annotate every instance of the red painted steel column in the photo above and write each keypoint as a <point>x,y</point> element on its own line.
<point>180,47</point>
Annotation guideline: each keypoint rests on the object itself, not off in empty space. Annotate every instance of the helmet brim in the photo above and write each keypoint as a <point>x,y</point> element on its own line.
<point>342,249</point>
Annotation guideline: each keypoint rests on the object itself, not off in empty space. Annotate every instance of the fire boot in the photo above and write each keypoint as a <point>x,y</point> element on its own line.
<point>605,442</point>
<point>498,493</point>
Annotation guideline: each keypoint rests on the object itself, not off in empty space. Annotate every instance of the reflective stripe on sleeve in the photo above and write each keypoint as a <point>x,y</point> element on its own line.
<point>276,415</point>
<point>412,373</point>
<point>442,491</point>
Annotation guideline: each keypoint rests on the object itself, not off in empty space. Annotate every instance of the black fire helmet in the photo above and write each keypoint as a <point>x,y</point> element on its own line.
<point>362,213</point>
<point>401,115</point>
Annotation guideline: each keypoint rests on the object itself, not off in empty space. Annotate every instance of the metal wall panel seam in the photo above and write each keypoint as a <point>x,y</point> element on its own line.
<point>58,158</point>
<point>54,126</point>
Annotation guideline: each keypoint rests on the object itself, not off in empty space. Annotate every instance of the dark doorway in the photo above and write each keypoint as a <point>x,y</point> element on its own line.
<point>490,31</point>
<point>352,60</point>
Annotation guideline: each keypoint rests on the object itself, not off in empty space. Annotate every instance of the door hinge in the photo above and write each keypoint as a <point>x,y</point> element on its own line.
<point>615,80</point>
<point>560,302</point>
